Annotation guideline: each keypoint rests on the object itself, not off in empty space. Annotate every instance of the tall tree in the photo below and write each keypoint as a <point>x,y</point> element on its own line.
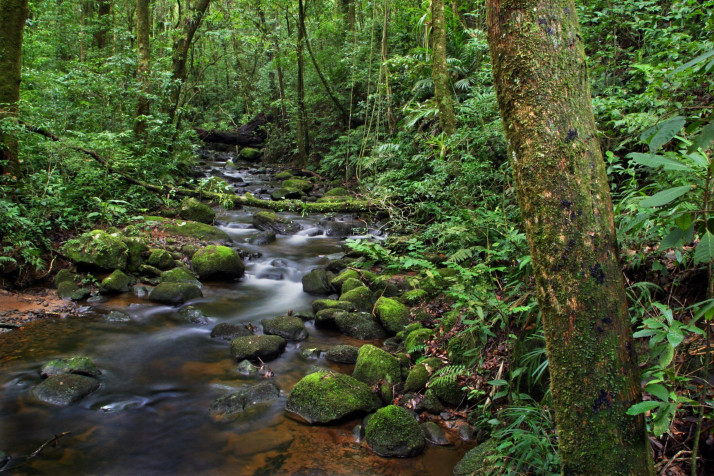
<point>442,92</point>
<point>303,140</point>
<point>13,14</point>
<point>543,92</point>
<point>104,9</point>
<point>143,25</point>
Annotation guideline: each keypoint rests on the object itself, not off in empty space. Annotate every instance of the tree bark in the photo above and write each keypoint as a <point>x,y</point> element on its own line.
<point>102,27</point>
<point>543,92</point>
<point>143,24</point>
<point>442,92</point>
<point>250,134</point>
<point>13,14</point>
<point>303,143</point>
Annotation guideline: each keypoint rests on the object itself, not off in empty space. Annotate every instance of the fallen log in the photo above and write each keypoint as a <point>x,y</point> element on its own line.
<point>228,200</point>
<point>250,134</point>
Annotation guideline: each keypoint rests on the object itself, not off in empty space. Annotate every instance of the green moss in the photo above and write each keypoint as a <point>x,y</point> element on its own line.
<point>416,339</point>
<point>393,432</point>
<point>337,192</point>
<point>374,364</point>
<point>136,247</point>
<point>288,327</point>
<point>361,297</point>
<point>350,284</point>
<point>76,365</point>
<point>321,304</point>
<point>64,275</point>
<point>256,347</point>
<point>117,282</point>
<point>448,391</point>
<point>265,221</point>
<point>194,210</point>
<point>179,275</point>
<point>97,249</point>
<point>477,460</point>
<point>299,184</point>
<point>420,373</point>
<point>175,293</point>
<point>392,314</point>
<point>189,229</point>
<point>250,154</point>
<point>216,261</point>
<point>414,297</point>
<point>161,259</point>
<point>458,345</point>
<point>337,282</point>
<point>284,175</point>
<point>450,319</point>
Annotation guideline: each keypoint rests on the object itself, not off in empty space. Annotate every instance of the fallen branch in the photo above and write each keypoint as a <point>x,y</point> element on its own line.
<point>229,200</point>
<point>13,463</point>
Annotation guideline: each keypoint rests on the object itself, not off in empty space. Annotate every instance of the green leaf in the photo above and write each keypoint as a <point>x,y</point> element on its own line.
<point>666,357</point>
<point>672,240</point>
<point>642,407</point>
<point>654,161</point>
<point>705,249</point>
<point>684,221</point>
<point>704,139</point>
<point>699,159</point>
<point>675,337</point>
<point>665,196</point>
<point>644,333</point>
<point>695,61</point>
<point>658,390</point>
<point>497,383</point>
<point>660,134</point>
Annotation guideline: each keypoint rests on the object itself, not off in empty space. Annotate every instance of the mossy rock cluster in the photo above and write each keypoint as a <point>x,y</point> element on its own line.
<point>195,210</point>
<point>394,432</point>
<point>361,297</point>
<point>67,381</point>
<point>256,347</point>
<point>175,293</point>
<point>218,262</point>
<point>392,314</point>
<point>97,249</point>
<point>374,364</point>
<point>188,229</point>
<point>299,184</point>
<point>117,282</point>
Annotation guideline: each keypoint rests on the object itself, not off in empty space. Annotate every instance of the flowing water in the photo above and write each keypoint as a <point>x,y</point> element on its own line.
<point>161,373</point>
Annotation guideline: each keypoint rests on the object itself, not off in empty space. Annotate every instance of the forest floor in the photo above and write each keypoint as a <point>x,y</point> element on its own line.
<point>20,308</point>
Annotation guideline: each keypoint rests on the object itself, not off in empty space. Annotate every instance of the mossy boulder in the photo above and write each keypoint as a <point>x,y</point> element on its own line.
<point>351,284</point>
<point>97,249</point>
<point>282,193</point>
<point>392,314</point>
<point>175,293</point>
<point>195,210</point>
<point>246,399</point>
<point>337,192</point>
<point>434,434</point>
<point>250,154</point>
<point>188,229</point>
<point>65,389</point>
<point>161,259</point>
<point>477,461</point>
<point>64,275</point>
<point>321,304</point>
<point>359,325</point>
<point>394,432</point>
<point>179,275</point>
<point>420,373</point>
<point>361,297</point>
<point>324,397</point>
<point>69,290</point>
<point>257,347</point>
<point>299,184</point>
<point>458,345</point>
<point>215,261</point>
<point>448,391</point>
<point>328,317</point>
<point>342,354</point>
<point>317,281</point>
<point>337,281</point>
<point>117,282</point>
<point>416,339</point>
<point>263,238</point>
<point>284,175</point>
<point>287,327</point>
<point>229,331</point>
<point>136,247</point>
<point>343,228</point>
<point>374,364</point>
<point>414,297</point>
<point>74,365</point>
<point>272,221</point>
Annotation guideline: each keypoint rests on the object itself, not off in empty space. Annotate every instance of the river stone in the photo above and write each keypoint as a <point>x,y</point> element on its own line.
<point>263,238</point>
<point>246,367</point>
<point>64,275</point>
<point>328,317</point>
<point>287,327</point>
<point>257,347</point>
<point>434,434</point>
<point>117,316</point>
<point>194,315</point>
<point>272,221</point>
<point>188,228</point>
<point>448,391</point>
<point>214,262</point>
<point>417,338</point>
<point>148,270</point>
<point>136,247</point>
<point>65,389</point>
<point>161,259</point>
<point>431,402</point>
<point>324,397</point>
<point>117,282</point>
<point>175,293</point>
<point>284,175</point>
<point>359,325</point>
<point>180,275</point>
<point>337,192</point>
<point>393,432</point>
<point>420,373</point>
<point>338,265</point>
<point>235,405</point>
<point>374,364</point>
<point>74,365</point>
<point>317,281</point>
<point>350,284</point>
<point>337,281</point>
<point>195,210</point>
<point>299,184</point>
<point>97,249</point>
<point>228,331</point>
<point>392,314</point>
<point>414,297</point>
<point>343,354</point>
<point>361,298</point>
<point>282,193</point>
<point>321,304</point>
<point>342,228</point>
<point>477,461</point>
<point>250,154</point>
<point>66,289</point>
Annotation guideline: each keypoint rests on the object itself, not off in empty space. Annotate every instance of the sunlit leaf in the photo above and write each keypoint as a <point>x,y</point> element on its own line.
<point>658,135</point>
<point>665,196</point>
<point>642,407</point>
<point>658,390</point>
<point>654,161</point>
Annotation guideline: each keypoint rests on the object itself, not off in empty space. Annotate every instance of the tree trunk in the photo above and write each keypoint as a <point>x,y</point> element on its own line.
<point>543,93</point>
<point>100,34</point>
<point>442,92</point>
<point>189,24</point>
<point>348,12</point>
<point>13,14</point>
<point>302,133</point>
<point>144,64</point>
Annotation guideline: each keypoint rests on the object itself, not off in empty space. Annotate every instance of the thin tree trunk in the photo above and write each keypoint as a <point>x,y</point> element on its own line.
<point>144,64</point>
<point>302,132</point>
<point>100,34</point>
<point>348,12</point>
<point>13,14</point>
<point>391,120</point>
<point>442,92</point>
<point>540,73</point>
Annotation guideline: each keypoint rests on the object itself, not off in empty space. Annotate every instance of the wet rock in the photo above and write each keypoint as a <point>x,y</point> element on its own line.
<point>180,275</point>
<point>287,327</point>
<point>321,304</point>
<point>361,297</point>
<point>374,364</point>
<point>117,316</point>
<point>64,275</point>
<point>263,238</point>
<point>228,331</point>
<point>393,432</point>
<point>448,391</point>
<point>136,248</point>
<point>194,315</point>
<point>213,262</point>
<point>350,284</point>
<point>161,259</point>
<point>97,249</point>
<point>434,434</point>
<point>231,407</point>
<point>257,347</point>
<point>342,277</point>
<point>359,325</point>
<point>117,282</point>
<point>286,193</point>
<point>343,354</point>
<point>246,367</point>
<point>175,293</point>
<point>392,314</point>
<point>414,297</point>
<point>324,397</point>
<point>298,184</point>
<point>272,221</point>
<point>310,353</point>
<point>250,154</point>
<point>338,265</point>
<point>74,365</point>
<point>189,229</point>
<point>148,270</point>
<point>195,210</point>
<point>283,175</point>
<point>416,339</point>
<point>420,373</point>
<point>337,192</point>
<point>140,291</point>
<point>476,461</point>
<point>343,228</point>
<point>328,317</point>
<point>65,389</point>
<point>317,282</point>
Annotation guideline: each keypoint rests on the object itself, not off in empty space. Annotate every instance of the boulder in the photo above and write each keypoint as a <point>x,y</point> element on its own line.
<point>361,297</point>
<point>97,249</point>
<point>69,290</point>
<point>215,261</point>
<point>394,432</point>
<point>374,364</point>
<point>174,293</point>
<point>161,259</point>
<point>195,210</point>
<point>337,281</point>
<point>477,461</point>
<point>188,229</point>
<point>317,281</point>
<point>263,238</point>
<point>321,304</point>
<point>287,327</point>
<point>350,284</point>
<point>324,397</point>
<point>343,228</point>
<point>246,367</point>
<point>136,248</point>
<point>250,154</point>
<point>342,354</point>
<point>74,365</point>
<point>282,193</point>
<point>228,331</point>
<point>359,325</point>
<point>416,339</point>
<point>117,316</point>
<point>448,391</point>
<point>414,297</point>
<point>117,282</point>
<point>392,314</point>
<point>299,184</point>
<point>64,275</point>
<point>193,315</point>
<point>257,347</point>
<point>434,434</point>
<point>235,405</point>
<point>420,373</point>
<point>284,175</point>
<point>65,389</point>
<point>272,221</point>
<point>179,275</point>
<point>328,317</point>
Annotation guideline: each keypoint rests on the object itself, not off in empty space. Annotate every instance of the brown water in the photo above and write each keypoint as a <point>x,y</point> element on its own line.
<point>161,373</point>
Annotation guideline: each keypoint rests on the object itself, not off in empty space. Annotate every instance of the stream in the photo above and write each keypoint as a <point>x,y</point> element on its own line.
<point>160,374</point>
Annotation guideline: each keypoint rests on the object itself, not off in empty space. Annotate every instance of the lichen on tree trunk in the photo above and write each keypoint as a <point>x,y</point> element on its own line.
<point>442,92</point>
<point>543,93</point>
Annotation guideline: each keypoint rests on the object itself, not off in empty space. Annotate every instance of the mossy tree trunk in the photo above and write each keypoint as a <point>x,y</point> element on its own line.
<point>302,132</point>
<point>543,93</point>
<point>104,10</point>
<point>143,24</point>
<point>13,14</point>
<point>442,92</point>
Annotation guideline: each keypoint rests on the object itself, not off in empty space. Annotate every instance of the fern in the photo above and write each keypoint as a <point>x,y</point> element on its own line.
<point>461,255</point>
<point>448,374</point>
